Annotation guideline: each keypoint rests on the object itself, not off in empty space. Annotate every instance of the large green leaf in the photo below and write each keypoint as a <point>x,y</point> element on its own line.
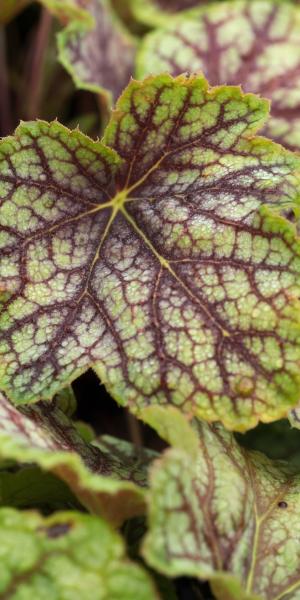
<point>100,57</point>
<point>231,516</point>
<point>221,41</point>
<point>43,435</point>
<point>66,556</point>
<point>154,260</point>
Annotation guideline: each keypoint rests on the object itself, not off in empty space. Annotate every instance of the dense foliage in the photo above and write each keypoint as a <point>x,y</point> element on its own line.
<point>149,299</point>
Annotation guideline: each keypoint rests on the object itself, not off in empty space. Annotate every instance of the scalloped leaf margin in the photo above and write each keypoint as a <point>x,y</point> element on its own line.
<point>153,257</point>
<point>43,435</point>
<point>230,517</point>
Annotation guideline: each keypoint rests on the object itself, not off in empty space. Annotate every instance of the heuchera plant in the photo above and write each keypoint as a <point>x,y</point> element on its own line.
<point>158,256</point>
<point>208,41</point>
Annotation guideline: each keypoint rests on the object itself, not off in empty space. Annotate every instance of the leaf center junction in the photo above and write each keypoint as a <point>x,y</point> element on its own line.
<point>119,200</point>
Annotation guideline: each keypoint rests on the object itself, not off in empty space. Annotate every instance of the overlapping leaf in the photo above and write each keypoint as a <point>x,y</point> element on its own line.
<point>231,517</point>
<point>255,44</point>
<point>68,555</point>
<point>153,259</point>
<point>43,435</point>
<point>100,57</point>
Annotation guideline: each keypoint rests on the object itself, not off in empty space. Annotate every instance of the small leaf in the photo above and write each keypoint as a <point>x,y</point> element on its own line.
<point>230,517</point>
<point>43,435</point>
<point>68,555</point>
<point>154,260</point>
<point>209,42</point>
<point>99,56</point>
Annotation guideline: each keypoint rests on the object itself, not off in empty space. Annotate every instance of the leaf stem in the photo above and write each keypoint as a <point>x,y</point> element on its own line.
<point>6,121</point>
<point>134,430</point>
<point>104,111</point>
<point>37,64</point>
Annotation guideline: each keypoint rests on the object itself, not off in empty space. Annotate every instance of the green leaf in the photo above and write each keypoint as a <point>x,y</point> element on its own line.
<point>159,12</point>
<point>43,435</point>
<point>154,260</point>
<point>66,556</point>
<point>209,42</point>
<point>99,57</point>
<point>231,517</point>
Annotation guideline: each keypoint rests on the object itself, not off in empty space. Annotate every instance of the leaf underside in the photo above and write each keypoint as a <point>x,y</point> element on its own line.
<point>231,517</point>
<point>209,42</point>
<point>103,481</point>
<point>152,259</point>
<point>100,56</point>
<point>67,555</point>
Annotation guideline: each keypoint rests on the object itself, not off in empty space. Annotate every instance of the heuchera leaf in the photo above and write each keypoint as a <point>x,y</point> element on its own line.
<point>99,56</point>
<point>44,435</point>
<point>154,260</point>
<point>231,517</point>
<point>210,42</point>
<point>68,555</point>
